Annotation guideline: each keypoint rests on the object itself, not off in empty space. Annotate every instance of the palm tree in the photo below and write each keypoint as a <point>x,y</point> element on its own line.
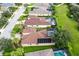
<point>16,42</point>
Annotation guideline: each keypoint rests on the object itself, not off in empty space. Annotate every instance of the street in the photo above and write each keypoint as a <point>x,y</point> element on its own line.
<point>6,33</point>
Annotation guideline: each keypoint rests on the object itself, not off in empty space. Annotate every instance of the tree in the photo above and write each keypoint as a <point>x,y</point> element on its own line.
<point>12,9</point>
<point>6,45</point>
<point>2,21</point>
<point>18,4</point>
<point>61,38</point>
<point>73,11</point>
<point>6,14</point>
<point>16,42</point>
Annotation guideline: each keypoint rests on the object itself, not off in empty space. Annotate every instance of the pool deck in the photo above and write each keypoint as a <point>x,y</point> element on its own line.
<point>47,52</point>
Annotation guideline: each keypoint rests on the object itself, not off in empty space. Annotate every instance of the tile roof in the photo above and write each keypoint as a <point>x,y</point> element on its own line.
<point>40,9</point>
<point>36,21</point>
<point>42,4</point>
<point>40,12</point>
<point>29,30</point>
<point>32,38</point>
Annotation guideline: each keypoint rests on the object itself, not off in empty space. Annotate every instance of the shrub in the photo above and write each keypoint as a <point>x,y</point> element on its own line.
<point>23,17</point>
<point>18,4</point>
<point>12,9</point>
<point>6,14</point>
<point>18,52</point>
<point>17,28</point>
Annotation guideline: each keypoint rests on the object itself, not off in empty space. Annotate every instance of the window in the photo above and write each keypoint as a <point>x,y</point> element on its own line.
<point>44,40</point>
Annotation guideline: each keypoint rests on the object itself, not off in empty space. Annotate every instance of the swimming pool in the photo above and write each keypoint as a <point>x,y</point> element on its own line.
<point>59,53</point>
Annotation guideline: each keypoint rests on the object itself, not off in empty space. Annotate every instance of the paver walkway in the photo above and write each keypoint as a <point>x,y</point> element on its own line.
<point>47,52</point>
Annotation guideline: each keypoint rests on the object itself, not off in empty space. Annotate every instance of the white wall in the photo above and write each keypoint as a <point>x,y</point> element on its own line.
<point>42,44</point>
<point>42,26</point>
<point>39,14</point>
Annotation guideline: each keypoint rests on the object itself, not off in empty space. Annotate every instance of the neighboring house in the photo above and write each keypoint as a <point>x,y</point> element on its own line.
<point>36,38</point>
<point>39,22</point>
<point>5,6</point>
<point>40,9</point>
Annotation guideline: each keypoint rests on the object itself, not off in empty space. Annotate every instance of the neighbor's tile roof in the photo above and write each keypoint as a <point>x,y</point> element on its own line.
<point>40,9</point>
<point>32,38</point>
<point>29,30</point>
<point>36,21</point>
<point>41,4</point>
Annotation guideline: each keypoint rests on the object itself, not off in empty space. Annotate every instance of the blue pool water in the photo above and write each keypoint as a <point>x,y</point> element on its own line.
<point>59,53</point>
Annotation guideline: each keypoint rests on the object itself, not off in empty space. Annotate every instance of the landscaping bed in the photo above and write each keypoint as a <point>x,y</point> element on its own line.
<point>22,17</point>
<point>17,28</point>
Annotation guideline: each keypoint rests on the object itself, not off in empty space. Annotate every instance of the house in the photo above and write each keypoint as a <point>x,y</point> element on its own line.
<point>40,9</point>
<point>5,6</point>
<point>38,22</point>
<point>37,38</point>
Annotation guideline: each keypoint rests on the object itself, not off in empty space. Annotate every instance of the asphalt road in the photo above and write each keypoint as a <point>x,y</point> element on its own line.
<point>8,29</point>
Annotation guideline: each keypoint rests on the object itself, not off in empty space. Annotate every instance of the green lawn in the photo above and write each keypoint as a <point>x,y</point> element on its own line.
<point>70,25</point>
<point>36,48</point>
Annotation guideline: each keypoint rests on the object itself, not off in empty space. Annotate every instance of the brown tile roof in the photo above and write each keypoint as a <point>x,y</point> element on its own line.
<point>36,21</point>
<point>29,30</point>
<point>32,38</point>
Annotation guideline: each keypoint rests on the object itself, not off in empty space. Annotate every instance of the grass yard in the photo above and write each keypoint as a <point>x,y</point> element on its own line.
<point>70,25</point>
<point>36,48</point>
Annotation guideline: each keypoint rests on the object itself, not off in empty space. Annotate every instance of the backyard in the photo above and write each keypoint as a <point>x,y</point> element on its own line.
<point>70,25</point>
<point>36,48</point>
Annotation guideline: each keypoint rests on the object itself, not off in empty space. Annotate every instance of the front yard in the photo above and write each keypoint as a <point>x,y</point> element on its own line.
<point>70,25</point>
